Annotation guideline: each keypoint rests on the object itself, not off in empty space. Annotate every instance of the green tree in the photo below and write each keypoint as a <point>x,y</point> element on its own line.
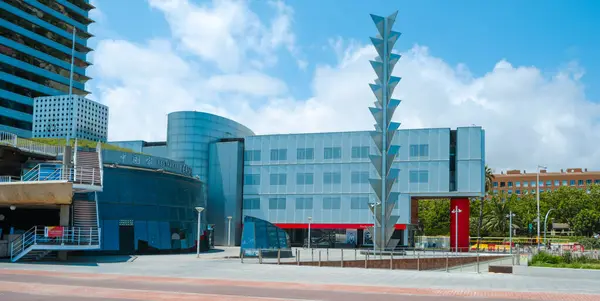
<point>586,222</point>
<point>489,180</point>
<point>497,210</point>
<point>434,217</point>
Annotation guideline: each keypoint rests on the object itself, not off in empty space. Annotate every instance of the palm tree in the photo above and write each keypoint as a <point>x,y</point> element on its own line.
<point>489,180</point>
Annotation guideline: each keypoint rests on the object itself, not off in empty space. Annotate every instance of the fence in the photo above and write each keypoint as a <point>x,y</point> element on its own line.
<point>11,139</point>
<point>419,260</point>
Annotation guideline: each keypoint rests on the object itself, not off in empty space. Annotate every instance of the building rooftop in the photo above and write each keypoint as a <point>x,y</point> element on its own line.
<point>517,172</point>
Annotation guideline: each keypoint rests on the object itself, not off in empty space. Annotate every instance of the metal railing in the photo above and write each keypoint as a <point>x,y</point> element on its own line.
<point>11,139</point>
<point>8,179</point>
<point>56,172</point>
<point>43,239</point>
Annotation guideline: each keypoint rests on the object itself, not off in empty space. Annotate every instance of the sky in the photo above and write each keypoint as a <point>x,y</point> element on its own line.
<point>526,71</point>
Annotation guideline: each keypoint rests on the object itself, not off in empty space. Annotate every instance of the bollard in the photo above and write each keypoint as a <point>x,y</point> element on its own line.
<point>242,256</point>
<point>355,254</point>
<point>446,262</point>
<point>298,257</point>
<point>260,256</point>
<point>477,263</point>
<point>312,255</point>
<point>327,254</point>
<point>366,260</point>
<point>319,257</point>
<point>418,262</point>
<point>391,260</point>
<point>278,256</point>
<point>342,258</point>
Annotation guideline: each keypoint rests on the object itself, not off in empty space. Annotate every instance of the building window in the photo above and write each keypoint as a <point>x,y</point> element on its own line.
<point>564,182</point>
<point>588,182</point>
<point>495,191</point>
<point>556,183</point>
<point>510,184</point>
<point>580,182</point>
<point>304,178</point>
<point>304,203</point>
<point>358,177</point>
<point>252,179</point>
<point>509,191</point>
<point>495,184</point>
<point>332,203</point>
<point>418,176</point>
<point>419,150</point>
<point>518,184</point>
<point>305,153</point>
<point>541,183</point>
<point>532,183</point>
<point>332,153</point>
<point>359,202</point>
<point>278,154</point>
<point>502,184</point>
<point>548,183</point>
<point>596,181</point>
<point>518,191</point>
<point>332,178</point>
<point>572,182</point>
<point>278,179</point>
<point>252,155</point>
<point>251,204</point>
<point>360,152</point>
<point>277,203</point>
<point>525,184</point>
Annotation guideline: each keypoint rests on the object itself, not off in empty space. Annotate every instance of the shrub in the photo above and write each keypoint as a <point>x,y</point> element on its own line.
<point>544,257</point>
<point>590,243</point>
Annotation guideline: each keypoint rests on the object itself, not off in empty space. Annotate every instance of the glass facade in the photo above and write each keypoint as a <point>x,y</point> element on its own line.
<point>134,218</point>
<point>35,56</point>
<point>260,235</point>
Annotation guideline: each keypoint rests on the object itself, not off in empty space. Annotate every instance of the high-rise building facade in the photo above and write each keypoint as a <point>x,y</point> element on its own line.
<point>70,116</point>
<point>36,47</point>
<point>522,182</point>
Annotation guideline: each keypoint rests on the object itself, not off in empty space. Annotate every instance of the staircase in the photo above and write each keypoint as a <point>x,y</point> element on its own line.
<point>40,241</point>
<point>88,169</point>
<point>85,214</point>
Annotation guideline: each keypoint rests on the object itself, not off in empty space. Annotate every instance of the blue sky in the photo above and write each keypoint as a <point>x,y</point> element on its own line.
<point>524,70</point>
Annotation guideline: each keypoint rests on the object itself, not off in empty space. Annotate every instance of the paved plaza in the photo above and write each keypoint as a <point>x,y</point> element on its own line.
<point>213,277</point>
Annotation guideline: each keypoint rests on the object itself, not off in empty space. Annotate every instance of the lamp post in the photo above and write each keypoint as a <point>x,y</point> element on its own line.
<point>199,209</point>
<point>510,216</point>
<point>229,230</point>
<point>309,221</point>
<point>546,223</point>
<point>456,211</point>
<point>537,198</point>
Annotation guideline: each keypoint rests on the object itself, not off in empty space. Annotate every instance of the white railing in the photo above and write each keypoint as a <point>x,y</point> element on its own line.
<point>54,172</point>
<point>54,239</point>
<point>29,145</point>
<point>8,179</point>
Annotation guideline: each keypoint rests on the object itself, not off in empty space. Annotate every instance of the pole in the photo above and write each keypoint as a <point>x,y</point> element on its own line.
<point>546,223</point>
<point>510,216</point>
<point>384,130</point>
<point>229,231</point>
<point>456,229</point>
<point>309,221</point>
<point>198,238</point>
<point>537,198</point>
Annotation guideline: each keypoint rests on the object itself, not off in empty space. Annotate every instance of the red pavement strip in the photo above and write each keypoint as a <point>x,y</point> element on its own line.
<point>48,289</point>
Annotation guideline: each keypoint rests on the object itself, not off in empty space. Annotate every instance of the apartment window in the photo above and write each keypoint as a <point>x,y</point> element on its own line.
<point>332,178</point>
<point>278,154</point>
<point>359,202</point>
<point>548,183</point>
<point>252,155</point>
<point>541,190</point>
<point>304,178</point>
<point>556,183</point>
<point>580,182</point>
<point>418,176</point>
<point>596,181</point>
<point>277,204</point>
<point>518,191</point>
<point>332,153</point>
<point>572,182</point>
<point>588,182</point>
<point>360,152</point>
<point>525,184</point>
<point>495,191</point>
<point>495,184</point>
<point>419,150</point>
<point>358,177</point>
<point>541,183</point>
<point>510,184</point>
<point>304,203</point>
<point>518,184</point>
<point>332,203</point>
<point>251,204</point>
<point>532,183</point>
<point>533,191</point>
<point>305,153</point>
<point>510,191</point>
<point>564,182</point>
<point>278,179</point>
<point>252,179</point>
<point>502,184</point>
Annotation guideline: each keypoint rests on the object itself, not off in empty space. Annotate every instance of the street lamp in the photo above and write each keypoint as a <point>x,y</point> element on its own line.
<point>546,223</point>
<point>510,216</point>
<point>537,198</point>
<point>456,211</point>
<point>309,221</point>
<point>199,209</point>
<point>229,230</point>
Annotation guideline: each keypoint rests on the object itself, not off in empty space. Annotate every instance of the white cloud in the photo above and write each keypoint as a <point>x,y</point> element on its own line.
<point>530,118</point>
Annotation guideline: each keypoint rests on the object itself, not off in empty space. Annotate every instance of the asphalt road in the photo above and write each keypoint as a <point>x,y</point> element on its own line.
<point>22,285</point>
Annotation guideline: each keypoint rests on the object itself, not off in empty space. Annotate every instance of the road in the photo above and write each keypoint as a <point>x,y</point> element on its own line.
<point>28,285</point>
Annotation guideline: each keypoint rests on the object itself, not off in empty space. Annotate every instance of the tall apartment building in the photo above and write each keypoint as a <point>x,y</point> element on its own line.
<point>520,183</point>
<point>36,39</point>
<point>69,115</point>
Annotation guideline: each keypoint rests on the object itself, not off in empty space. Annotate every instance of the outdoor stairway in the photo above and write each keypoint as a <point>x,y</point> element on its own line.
<point>87,168</point>
<point>35,255</point>
<point>85,215</point>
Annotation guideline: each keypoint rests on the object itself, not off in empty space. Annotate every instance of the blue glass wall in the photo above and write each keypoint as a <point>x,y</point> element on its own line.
<point>35,56</point>
<point>159,206</point>
<point>261,235</point>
